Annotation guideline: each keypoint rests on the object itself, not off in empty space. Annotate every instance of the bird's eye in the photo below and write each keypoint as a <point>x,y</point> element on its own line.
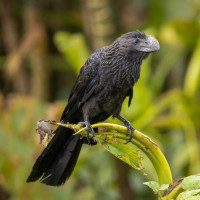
<point>136,41</point>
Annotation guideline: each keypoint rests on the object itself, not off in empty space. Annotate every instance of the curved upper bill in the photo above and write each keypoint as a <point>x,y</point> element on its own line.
<point>150,44</point>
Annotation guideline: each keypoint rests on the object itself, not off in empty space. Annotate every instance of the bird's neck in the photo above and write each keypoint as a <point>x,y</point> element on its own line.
<point>125,68</point>
<point>133,66</point>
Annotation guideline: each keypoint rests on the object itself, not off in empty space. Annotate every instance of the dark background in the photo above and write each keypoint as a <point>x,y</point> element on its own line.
<point>44,43</point>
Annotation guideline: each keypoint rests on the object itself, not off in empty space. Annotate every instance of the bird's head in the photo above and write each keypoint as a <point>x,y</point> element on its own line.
<point>137,42</point>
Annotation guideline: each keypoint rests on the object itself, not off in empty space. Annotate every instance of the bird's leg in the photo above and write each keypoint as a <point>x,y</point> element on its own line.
<point>128,126</point>
<point>88,126</point>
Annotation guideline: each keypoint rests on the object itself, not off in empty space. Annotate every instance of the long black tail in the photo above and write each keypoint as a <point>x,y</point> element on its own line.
<point>58,159</point>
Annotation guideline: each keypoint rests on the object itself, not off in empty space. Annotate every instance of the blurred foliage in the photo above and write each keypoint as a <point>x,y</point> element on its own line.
<point>166,100</point>
<point>76,51</point>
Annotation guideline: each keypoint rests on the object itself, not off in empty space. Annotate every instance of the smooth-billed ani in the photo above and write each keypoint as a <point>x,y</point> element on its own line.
<point>105,80</point>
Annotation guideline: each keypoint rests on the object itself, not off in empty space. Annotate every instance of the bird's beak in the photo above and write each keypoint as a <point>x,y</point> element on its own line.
<point>151,44</point>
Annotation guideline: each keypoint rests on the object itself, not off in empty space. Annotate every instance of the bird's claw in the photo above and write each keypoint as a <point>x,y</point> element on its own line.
<point>88,129</point>
<point>129,128</point>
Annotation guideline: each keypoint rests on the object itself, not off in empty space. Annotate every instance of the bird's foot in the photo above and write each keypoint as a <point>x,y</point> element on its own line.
<point>131,129</point>
<point>128,126</point>
<point>88,129</point>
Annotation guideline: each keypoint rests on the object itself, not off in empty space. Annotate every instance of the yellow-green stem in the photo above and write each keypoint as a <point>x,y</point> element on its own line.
<point>141,141</point>
<point>147,146</point>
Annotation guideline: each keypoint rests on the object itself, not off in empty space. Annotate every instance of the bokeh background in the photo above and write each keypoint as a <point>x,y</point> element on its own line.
<point>44,43</point>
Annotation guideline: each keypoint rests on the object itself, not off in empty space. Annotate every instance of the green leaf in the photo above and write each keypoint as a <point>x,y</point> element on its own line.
<point>121,151</point>
<point>164,187</point>
<point>189,195</point>
<point>153,185</point>
<point>191,183</point>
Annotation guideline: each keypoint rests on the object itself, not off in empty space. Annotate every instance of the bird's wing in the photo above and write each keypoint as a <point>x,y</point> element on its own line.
<point>84,87</point>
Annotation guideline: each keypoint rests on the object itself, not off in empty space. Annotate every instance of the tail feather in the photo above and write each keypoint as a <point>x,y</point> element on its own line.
<point>58,159</point>
<point>64,163</point>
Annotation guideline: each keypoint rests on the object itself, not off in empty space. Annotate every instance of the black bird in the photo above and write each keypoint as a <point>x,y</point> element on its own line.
<point>105,80</point>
